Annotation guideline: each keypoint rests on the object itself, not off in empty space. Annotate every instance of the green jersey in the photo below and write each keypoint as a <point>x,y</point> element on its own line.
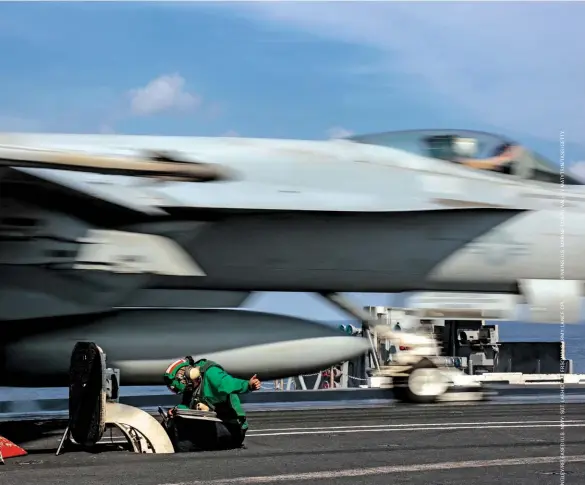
<point>219,391</point>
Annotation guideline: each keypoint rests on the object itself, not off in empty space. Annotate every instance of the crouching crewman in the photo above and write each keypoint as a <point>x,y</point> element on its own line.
<point>205,386</point>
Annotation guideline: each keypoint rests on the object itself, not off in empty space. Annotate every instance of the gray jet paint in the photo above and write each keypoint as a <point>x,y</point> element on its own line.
<point>343,215</point>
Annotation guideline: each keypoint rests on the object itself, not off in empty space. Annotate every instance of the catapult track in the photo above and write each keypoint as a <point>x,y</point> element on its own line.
<point>47,409</point>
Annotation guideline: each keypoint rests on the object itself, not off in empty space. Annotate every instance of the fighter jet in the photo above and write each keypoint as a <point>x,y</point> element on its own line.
<point>212,219</point>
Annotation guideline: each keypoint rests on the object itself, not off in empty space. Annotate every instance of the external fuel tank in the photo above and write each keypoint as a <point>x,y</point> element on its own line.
<point>143,342</point>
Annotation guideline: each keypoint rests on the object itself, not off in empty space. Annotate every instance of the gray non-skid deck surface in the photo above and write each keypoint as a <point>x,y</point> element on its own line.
<point>427,445</point>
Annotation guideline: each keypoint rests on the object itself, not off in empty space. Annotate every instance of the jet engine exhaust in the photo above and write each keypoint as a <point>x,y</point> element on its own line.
<point>143,342</point>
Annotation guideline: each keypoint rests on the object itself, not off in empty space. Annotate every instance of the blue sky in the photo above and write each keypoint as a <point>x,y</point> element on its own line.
<point>296,70</point>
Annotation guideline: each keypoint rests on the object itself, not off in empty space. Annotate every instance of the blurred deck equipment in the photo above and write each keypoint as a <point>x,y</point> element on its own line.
<point>441,344</point>
<point>93,405</point>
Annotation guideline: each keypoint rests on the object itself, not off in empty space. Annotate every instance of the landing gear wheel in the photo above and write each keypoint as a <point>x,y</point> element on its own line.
<point>424,384</point>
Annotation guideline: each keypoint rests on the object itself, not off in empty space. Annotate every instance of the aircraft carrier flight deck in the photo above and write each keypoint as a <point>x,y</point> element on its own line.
<point>516,428</point>
<point>436,444</point>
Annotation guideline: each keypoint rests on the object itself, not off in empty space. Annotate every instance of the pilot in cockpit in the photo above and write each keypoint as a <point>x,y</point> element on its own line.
<point>458,149</point>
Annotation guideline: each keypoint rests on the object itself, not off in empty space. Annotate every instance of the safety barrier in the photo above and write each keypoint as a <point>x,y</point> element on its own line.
<point>336,377</point>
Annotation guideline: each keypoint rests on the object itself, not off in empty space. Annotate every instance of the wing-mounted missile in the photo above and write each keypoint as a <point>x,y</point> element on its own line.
<point>161,166</point>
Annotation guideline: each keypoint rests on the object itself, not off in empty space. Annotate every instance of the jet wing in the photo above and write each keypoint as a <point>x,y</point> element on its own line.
<point>155,165</point>
<point>122,191</point>
<point>112,178</point>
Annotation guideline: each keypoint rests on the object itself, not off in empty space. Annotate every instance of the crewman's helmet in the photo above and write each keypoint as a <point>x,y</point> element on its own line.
<point>175,378</point>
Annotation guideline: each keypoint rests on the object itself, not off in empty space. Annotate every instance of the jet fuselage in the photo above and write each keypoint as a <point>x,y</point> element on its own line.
<point>294,216</point>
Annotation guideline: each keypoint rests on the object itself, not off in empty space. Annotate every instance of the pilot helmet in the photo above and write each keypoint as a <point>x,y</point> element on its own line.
<point>176,377</point>
<point>464,147</point>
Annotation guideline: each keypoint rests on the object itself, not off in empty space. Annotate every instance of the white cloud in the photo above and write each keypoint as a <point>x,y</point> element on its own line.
<point>338,132</point>
<point>516,65</point>
<point>165,93</point>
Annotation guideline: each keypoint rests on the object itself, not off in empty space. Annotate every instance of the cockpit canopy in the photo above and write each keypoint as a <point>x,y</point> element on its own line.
<point>451,145</point>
